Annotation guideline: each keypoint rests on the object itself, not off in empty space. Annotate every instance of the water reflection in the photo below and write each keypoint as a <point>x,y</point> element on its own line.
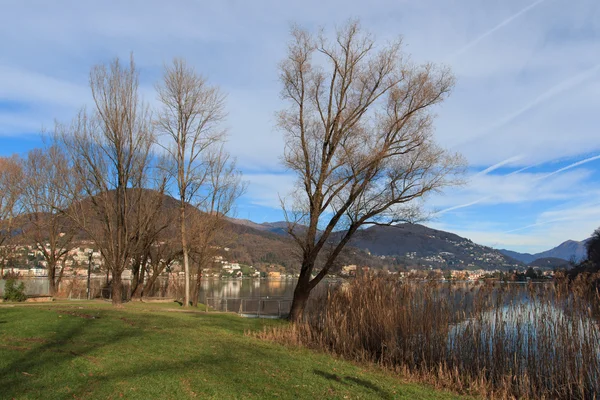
<point>165,287</point>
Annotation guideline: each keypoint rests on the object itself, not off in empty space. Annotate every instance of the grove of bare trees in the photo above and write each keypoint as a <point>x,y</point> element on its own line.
<point>45,206</point>
<point>106,174</point>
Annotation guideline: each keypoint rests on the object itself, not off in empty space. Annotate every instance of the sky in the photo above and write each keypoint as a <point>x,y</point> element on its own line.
<point>524,113</point>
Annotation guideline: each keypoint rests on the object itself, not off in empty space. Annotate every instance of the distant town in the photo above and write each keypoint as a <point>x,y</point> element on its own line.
<point>29,261</point>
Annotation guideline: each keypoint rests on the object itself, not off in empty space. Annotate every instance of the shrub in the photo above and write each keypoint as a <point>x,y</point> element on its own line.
<point>14,292</point>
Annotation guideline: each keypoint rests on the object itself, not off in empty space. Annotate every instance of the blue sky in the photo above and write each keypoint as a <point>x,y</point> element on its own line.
<point>525,111</point>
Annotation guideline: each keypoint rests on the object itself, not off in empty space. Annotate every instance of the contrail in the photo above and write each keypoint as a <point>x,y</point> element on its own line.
<point>500,164</point>
<point>494,29</point>
<point>523,169</point>
<point>536,224</point>
<point>493,167</point>
<point>550,221</point>
<point>481,173</point>
<point>553,91</point>
<point>462,205</point>
<point>575,164</point>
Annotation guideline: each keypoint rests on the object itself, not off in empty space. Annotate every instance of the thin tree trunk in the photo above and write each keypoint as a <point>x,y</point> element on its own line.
<point>197,287</point>
<point>186,263</point>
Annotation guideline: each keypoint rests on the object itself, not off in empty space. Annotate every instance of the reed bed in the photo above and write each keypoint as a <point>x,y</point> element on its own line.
<point>497,340</point>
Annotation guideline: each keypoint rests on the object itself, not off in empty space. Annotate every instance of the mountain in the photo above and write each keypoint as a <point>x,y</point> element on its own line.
<point>279,227</point>
<point>418,245</point>
<point>404,245</point>
<point>408,245</point>
<point>568,250</point>
<point>549,263</point>
<point>525,258</point>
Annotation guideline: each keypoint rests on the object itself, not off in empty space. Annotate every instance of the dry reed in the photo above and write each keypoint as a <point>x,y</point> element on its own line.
<point>498,340</point>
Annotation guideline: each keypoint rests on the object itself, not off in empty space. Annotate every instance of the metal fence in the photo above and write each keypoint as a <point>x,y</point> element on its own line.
<point>33,286</point>
<point>257,307</point>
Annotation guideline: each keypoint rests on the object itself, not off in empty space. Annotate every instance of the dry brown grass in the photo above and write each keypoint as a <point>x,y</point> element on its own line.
<point>501,341</point>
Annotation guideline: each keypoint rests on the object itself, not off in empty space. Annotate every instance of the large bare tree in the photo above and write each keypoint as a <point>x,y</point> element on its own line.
<point>11,174</point>
<point>358,134</point>
<point>110,150</point>
<point>46,173</point>
<point>190,121</point>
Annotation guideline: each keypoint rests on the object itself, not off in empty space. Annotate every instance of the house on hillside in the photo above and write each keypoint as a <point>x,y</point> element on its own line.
<point>349,270</point>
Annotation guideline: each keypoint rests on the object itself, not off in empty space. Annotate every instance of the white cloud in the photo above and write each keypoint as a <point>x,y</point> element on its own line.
<point>266,189</point>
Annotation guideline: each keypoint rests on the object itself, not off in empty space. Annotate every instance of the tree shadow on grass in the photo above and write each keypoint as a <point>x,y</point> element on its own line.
<point>24,374</point>
<point>91,343</point>
<point>350,380</point>
<point>128,355</point>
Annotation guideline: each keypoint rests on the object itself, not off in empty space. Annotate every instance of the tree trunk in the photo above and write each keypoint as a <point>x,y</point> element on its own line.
<point>301,293</point>
<point>58,279</point>
<point>51,279</point>
<point>150,283</point>
<point>117,290</point>
<point>197,287</point>
<point>136,284</point>
<point>137,293</point>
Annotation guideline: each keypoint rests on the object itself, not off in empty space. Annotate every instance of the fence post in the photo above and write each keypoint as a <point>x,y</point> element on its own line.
<point>259,300</point>
<point>225,304</point>
<point>278,308</point>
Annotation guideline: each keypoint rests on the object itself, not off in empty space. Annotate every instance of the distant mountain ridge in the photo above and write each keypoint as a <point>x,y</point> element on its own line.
<point>418,245</point>
<point>413,245</point>
<point>570,249</point>
<point>549,263</point>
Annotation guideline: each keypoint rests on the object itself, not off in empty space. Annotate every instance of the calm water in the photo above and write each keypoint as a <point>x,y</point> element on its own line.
<point>240,295</point>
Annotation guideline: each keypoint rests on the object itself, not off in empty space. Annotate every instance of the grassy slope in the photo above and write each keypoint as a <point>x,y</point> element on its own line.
<point>88,350</point>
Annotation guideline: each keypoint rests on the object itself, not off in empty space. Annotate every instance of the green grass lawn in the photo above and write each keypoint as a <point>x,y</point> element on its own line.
<point>86,350</point>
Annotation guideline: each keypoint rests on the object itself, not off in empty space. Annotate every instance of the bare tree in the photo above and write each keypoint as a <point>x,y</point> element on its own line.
<point>153,219</point>
<point>110,150</point>
<point>161,258</point>
<point>223,186</point>
<point>358,134</point>
<point>46,173</point>
<point>190,118</point>
<point>11,174</point>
